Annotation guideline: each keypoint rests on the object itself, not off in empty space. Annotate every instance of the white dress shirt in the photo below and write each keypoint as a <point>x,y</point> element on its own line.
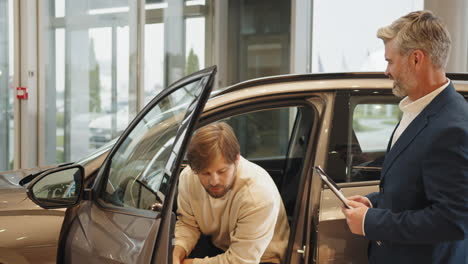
<point>411,109</point>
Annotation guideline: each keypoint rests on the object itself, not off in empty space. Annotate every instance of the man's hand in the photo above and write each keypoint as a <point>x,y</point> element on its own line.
<point>361,199</point>
<point>355,216</point>
<point>188,261</point>
<point>178,255</point>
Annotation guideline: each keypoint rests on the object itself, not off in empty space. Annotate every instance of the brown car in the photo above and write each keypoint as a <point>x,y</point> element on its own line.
<point>28,233</point>
<point>125,213</point>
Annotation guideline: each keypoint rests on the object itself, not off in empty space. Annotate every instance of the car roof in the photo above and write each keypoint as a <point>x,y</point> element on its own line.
<point>299,83</point>
<point>335,78</point>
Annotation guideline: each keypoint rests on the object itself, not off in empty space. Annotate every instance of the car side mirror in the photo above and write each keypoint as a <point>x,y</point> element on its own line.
<point>58,188</point>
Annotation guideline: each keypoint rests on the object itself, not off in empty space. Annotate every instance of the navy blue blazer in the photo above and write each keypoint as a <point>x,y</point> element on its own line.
<point>420,214</point>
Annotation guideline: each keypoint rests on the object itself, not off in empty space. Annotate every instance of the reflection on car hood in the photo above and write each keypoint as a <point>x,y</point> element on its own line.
<point>16,202</point>
<point>13,197</point>
<point>10,179</point>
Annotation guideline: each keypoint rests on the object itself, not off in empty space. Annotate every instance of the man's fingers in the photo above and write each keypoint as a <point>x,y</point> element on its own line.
<point>346,211</point>
<point>358,198</point>
<point>355,204</point>
<point>343,210</point>
<point>354,197</point>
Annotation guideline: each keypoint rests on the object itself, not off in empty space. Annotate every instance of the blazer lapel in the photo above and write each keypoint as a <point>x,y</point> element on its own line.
<point>410,133</point>
<point>418,124</point>
<point>389,144</point>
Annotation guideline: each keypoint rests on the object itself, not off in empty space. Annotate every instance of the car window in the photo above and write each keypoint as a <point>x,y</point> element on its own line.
<point>362,125</point>
<point>264,134</point>
<point>372,125</point>
<point>372,122</point>
<point>138,176</point>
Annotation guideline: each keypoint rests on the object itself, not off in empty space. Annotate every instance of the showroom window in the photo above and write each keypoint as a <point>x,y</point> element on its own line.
<point>96,75</point>
<point>258,40</point>
<point>344,39</point>
<point>89,83</point>
<point>176,38</point>
<point>6,84</point>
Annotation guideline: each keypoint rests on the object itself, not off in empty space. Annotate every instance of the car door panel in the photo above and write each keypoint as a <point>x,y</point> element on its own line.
<point>361,125</point>
<point>110,237</point>
<point>336,243</point>
<point>165,240</point>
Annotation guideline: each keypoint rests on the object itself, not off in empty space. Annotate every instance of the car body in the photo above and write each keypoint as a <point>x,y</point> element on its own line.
<point>125,212</point>
<point>28,233</point>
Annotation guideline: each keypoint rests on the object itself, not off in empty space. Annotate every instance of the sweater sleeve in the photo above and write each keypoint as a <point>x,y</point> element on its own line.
<point>187,231</point>
<point>252,235</point>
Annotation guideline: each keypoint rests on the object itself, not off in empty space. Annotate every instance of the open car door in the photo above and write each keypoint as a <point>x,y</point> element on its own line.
<point>127,217</point>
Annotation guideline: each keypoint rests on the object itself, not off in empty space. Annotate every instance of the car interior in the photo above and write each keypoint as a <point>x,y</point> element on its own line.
<point>275,137</point>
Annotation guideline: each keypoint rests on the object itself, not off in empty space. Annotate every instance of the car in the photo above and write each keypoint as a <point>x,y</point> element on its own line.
<point>100,126</point>
<point>28,233</point>
<point>125,212</point>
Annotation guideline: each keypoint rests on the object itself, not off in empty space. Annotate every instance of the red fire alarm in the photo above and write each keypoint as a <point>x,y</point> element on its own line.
<point>21,93</point>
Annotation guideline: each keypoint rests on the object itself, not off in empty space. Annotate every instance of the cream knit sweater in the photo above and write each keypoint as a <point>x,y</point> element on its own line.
<point>249,223</point>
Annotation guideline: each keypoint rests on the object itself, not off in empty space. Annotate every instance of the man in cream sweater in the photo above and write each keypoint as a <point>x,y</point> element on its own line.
<point>230,200</point>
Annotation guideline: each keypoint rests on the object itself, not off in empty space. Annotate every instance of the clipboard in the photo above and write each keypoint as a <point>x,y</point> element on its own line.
<point>332,185</point>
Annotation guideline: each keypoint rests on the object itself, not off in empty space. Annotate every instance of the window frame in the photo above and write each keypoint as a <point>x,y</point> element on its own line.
<point>343,97</point>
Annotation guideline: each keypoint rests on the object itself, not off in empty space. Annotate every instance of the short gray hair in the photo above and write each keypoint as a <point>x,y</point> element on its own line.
<point>420,30</point>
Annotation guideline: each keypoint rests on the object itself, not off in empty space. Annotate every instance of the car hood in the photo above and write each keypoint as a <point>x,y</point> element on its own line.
<point>10,179</point>
<point>16,202</point>
<point>13,195</point>
<point>26,227</point>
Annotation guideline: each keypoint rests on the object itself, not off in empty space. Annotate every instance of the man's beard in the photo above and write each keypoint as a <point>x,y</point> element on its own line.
<point>398,90</point>
<point>225,188</point>
<point>402,85</point>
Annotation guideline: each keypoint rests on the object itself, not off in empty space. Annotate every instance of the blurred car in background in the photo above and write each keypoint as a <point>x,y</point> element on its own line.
<point>107,126</point>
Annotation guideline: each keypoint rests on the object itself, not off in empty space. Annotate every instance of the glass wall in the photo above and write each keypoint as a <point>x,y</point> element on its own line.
<point>101,61</point>
<point>89,83</point>
<point>92,78</point>
<point>258,39</point>
<point>259,45</point>
<point>6,84</point>
<point>344,39</point>
<point>175,38</point>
